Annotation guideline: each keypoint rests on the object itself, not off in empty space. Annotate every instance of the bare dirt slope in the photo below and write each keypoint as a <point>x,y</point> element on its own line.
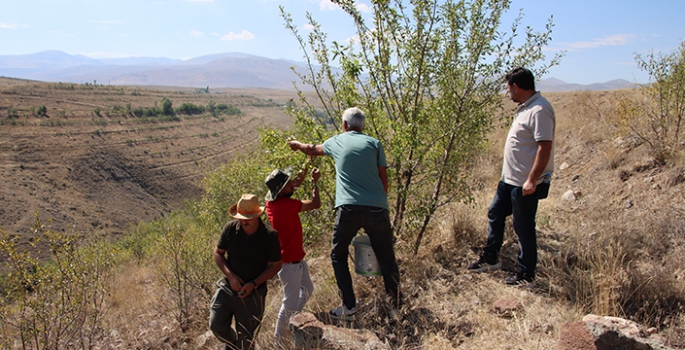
<point>88,164</point>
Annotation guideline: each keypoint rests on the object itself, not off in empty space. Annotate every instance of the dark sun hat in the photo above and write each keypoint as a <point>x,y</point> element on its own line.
<point>275,182</point>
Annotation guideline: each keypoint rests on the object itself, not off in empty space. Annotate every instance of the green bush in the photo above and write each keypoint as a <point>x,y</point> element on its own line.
<point>211,107</point>
<point>190,109</point>
<point>12,113</point>
<point>227,109</point>
<point>41,110</point>
<point>167,106</point>
<point>225,185</point>
<point>139,240</point>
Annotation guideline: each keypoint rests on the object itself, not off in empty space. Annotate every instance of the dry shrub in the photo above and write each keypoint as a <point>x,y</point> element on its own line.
<point>467,225</point>
<point>185,266</point>
<point>57,303</point>
<point>594,282</point>
<point>657,116</point>
<point>596,249</point>
<point>620,260</point>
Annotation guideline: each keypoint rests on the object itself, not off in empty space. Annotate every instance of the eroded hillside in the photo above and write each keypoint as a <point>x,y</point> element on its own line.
<point>80,156</point>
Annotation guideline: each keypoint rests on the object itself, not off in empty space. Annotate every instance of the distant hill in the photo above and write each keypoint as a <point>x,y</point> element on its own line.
<point>229,70</point>
<point>556,85</point>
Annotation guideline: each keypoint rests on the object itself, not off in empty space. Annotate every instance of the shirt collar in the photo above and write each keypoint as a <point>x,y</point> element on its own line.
<point>529,101</point>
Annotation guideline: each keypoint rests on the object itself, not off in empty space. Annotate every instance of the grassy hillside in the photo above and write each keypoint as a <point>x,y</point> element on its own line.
<point>617,249</point>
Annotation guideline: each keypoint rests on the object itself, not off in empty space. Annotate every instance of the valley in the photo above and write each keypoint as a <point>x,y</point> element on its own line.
<point>77,154</point>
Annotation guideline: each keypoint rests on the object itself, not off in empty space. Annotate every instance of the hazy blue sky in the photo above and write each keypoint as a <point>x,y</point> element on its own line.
<point>600,37</point>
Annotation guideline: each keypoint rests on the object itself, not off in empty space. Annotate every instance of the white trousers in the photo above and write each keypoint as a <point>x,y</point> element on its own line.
<point>297,288</point>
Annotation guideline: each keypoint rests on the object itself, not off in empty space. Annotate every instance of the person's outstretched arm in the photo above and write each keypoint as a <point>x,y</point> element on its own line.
<point>306,148</point>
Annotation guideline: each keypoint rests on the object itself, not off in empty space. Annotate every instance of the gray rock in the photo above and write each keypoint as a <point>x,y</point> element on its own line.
<point>569,196</point>
<point>310,333</point>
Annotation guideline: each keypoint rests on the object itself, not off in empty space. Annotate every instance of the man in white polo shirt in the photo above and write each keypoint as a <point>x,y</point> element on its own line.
<point>526,173</point>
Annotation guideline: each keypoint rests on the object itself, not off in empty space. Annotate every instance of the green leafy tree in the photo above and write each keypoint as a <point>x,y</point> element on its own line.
<point>167,106</point>
<point>429,75</point>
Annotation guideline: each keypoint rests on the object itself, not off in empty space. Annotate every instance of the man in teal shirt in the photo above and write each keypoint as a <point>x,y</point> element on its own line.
<point>361,201</point>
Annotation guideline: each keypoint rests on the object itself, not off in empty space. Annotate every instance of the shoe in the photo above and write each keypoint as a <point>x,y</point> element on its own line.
<point>343,313</point>
<point>520,281</point>
<point>483,266</point>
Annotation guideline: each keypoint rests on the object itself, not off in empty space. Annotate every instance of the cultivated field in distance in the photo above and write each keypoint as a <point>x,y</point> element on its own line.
<point>96,158</point>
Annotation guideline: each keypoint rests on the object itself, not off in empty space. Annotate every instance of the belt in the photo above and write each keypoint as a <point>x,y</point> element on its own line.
<point>294,262</point>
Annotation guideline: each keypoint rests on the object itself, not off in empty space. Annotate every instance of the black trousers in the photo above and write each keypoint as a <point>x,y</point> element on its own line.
<point>247,312</point>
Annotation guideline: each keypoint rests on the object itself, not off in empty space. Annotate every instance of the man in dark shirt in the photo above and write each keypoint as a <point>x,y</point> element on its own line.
<point>248,254</point>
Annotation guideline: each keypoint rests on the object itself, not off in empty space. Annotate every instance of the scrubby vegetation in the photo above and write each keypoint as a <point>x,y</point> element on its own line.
<point>106,112</point>
<point>599,254</point>
<point>57,304</point>
<point>617,249</point>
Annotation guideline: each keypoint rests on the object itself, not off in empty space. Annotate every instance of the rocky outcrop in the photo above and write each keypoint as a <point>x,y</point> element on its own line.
<point>310,333</point>
<point>607,333</point>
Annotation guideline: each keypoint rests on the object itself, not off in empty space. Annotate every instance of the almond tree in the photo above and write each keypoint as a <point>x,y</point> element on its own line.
<point>429,75</point>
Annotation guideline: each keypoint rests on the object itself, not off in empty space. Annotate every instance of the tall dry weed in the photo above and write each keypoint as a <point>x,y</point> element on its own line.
<point>614,249</point>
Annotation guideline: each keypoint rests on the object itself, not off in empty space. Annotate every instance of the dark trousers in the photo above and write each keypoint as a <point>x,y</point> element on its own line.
<point>510,200</point>
<point>248,313</point>
<point>376,223</point>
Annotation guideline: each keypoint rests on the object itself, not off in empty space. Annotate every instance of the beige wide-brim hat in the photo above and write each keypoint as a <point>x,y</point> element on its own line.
<point>247,208</point>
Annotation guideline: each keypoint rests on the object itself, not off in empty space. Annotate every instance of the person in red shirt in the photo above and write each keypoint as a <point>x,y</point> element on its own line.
<point>283,213</point>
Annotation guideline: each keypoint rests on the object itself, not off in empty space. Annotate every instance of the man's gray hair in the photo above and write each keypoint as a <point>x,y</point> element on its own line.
<point>354,117</point>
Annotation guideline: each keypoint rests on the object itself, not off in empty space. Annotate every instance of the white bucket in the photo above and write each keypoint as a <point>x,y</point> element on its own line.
<point>365,262</point>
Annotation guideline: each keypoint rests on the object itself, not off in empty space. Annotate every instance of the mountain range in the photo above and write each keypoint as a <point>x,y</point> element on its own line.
<point>227,70</point>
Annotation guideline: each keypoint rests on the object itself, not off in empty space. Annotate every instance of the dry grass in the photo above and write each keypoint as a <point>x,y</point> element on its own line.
<point>618,250</point>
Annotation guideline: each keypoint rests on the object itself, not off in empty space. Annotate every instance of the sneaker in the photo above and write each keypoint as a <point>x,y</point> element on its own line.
<point>483,266</point>
<point>520,281</point>
<point>343,313</point>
